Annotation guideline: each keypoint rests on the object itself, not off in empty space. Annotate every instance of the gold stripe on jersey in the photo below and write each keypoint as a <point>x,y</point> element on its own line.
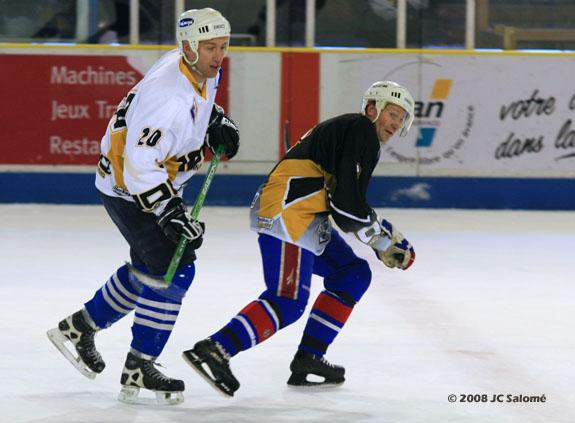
<point>295,190</point>
<point>172,165</point>
<point>190,77</point>
<point>116,155</point>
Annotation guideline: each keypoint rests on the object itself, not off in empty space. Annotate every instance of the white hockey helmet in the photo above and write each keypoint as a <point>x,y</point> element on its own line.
<point>196,25</point>
<point>383,92</point>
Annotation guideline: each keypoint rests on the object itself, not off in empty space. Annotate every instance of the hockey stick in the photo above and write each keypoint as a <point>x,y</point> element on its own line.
<point>287,145</point>
<point>166,280</point>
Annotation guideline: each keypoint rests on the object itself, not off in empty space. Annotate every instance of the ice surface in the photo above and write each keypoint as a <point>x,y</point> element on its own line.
<point>487,308</point>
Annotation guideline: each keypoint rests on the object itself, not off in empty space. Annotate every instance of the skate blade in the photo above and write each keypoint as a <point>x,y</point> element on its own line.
<point>315,386</point>
<point>59,341</point>
<point>299,381</point>
<point>196,364</point>
<point>131,395</point>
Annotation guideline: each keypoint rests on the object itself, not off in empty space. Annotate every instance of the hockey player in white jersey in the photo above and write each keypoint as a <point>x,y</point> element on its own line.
<point>153,145</point>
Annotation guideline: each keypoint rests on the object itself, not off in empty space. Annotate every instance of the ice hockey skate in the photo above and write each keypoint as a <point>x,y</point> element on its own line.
<point>76,329</point>
<point>212,363</point>
<point>305,364</point>
<point>140,373</point>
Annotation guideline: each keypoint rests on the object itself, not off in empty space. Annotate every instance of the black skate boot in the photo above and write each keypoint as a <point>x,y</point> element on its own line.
<point>304,364</point>
<point>141,373</point>
<point>210,360</point>
<point>77,330</point>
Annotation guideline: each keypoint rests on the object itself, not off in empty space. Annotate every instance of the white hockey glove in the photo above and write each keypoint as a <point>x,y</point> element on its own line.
<point>175,222</point>
<point>222,131</point>
<point>399,253</point>
<point>374,235</point>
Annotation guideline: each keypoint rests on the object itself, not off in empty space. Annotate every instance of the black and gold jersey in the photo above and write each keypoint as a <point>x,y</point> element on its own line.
<point>326,172</point>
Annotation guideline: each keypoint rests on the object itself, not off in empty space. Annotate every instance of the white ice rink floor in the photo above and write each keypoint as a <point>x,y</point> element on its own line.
<point>488,308</point>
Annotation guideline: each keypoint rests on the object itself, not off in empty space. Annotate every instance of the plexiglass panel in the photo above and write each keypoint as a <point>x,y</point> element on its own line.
<point>499,24</point>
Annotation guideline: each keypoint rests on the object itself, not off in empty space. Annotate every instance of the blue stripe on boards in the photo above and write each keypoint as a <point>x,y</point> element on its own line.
<point>385,191</point>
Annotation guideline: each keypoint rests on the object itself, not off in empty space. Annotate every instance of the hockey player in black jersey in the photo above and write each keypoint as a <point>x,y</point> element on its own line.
<point>326,174</point>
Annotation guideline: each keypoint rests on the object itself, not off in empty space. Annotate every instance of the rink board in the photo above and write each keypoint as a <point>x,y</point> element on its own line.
<point>477,141</point>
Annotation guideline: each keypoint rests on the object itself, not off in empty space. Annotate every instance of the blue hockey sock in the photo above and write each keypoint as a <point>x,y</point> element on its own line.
<point>258,321</point>
<point>327,317</point>
<point>255,323</point>
<point>157,311</point>
<point>116,298</point>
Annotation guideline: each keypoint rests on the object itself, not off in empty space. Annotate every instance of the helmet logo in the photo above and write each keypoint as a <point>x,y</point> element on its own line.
<point>204,29</point>
<point>395,94</point>
<point>186,22</point>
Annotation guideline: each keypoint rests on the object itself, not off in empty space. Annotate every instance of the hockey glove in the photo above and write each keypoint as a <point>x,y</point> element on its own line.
<point>222,131</point>
<point>400,253</point>
<point>175,222</point>
<point>373,234</point>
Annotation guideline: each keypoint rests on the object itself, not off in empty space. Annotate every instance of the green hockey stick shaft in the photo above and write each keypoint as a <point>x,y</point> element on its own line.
<point>195,213</point>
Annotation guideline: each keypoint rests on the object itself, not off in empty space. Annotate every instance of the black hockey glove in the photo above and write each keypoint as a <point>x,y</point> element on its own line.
<point>222,131</point>
<point>175,222</point>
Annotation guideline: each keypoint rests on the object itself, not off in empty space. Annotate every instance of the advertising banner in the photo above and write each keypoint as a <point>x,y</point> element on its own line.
<point>56,107</point>
<point>474,114</point>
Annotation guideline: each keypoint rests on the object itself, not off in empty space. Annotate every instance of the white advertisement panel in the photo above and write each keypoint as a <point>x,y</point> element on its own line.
<point>255,94</point>
<point>480,114</point>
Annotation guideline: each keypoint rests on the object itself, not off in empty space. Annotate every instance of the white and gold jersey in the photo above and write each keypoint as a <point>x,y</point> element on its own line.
<point>153,144</point>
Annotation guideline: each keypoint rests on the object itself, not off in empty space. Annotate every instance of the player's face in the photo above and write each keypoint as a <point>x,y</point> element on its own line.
<point>212,53</point>
<point>389,122</point>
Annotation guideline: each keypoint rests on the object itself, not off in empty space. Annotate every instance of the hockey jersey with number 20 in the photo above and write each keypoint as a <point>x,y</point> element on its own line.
<point>153,143</point>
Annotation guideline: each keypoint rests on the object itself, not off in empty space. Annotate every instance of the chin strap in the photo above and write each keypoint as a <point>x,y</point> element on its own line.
<point>187,61</point>
<point>195,68</point>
